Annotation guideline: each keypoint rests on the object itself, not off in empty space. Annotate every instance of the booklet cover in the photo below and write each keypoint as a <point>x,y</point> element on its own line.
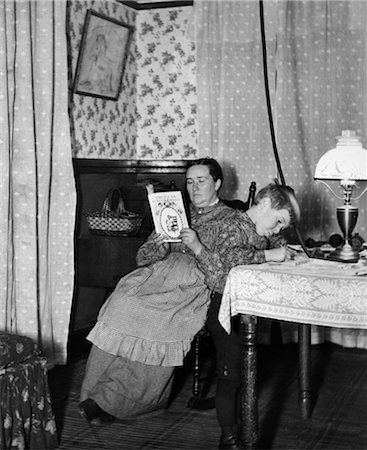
<point>168,214</point>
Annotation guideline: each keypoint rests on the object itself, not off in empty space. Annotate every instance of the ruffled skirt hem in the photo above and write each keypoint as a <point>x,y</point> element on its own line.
<point>155,353</point>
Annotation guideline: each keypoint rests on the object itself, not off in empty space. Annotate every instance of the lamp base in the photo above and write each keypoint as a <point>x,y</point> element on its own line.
<point>344,254</point>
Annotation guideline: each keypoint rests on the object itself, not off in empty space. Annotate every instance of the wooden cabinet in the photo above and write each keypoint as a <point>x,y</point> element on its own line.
<point>100,261</point>
<point>103,260</point>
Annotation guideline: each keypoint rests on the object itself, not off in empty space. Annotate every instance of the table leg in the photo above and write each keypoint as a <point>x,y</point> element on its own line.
<point>249,412</point>
<point>304,377</point>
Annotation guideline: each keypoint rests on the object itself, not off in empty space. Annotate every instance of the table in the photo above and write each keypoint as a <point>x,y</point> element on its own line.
<point>305,291</point>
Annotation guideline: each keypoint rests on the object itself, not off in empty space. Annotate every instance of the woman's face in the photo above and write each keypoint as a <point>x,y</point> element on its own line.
<point>201,187</point>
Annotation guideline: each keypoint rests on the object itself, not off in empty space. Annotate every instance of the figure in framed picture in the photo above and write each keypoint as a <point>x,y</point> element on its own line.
<point>99,77</point>
<point>102,56</point>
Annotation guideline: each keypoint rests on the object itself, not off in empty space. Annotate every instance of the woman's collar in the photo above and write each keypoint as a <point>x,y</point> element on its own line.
<point>206,209</point>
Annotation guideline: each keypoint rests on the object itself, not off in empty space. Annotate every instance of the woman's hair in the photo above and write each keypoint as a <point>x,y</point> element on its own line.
<point>214,168</point>
<point>281,197</point>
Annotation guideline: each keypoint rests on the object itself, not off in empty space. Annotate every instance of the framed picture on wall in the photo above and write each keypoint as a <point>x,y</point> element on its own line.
<point>102,56</point>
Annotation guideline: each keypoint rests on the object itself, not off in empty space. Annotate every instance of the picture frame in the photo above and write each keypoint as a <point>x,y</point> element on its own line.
<point>102,56</point>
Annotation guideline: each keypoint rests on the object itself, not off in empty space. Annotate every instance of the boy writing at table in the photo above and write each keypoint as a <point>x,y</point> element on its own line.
<point>254,239</point>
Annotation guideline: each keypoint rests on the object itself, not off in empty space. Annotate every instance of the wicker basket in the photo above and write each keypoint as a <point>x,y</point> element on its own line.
<point>114,222</point>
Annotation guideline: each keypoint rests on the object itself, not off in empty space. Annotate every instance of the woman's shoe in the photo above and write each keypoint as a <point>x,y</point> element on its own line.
<point>93,413</point>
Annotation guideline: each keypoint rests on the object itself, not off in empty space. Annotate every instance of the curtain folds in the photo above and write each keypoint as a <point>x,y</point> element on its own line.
<point>316,62</point>
<point>37,189</point>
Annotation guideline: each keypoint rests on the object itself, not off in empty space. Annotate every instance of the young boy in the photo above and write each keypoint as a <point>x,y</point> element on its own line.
<point>252,239</point>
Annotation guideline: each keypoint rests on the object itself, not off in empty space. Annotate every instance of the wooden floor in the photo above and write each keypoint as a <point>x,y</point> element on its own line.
<point>338,421</point>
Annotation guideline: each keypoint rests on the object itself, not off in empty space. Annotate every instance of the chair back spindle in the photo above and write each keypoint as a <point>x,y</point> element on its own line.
<point>251,194</point>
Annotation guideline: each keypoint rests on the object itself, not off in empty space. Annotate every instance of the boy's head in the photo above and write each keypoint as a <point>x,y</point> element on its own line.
<point>276,209</point>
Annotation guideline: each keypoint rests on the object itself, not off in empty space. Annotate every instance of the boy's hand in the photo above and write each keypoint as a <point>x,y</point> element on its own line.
<point>191,240</point>
<point>279,254</point>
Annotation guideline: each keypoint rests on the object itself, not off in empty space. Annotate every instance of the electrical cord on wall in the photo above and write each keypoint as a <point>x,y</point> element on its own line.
<point>270,116</point>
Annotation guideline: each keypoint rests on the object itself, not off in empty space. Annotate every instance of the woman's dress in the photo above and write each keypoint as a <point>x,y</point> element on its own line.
<point>146,326</point>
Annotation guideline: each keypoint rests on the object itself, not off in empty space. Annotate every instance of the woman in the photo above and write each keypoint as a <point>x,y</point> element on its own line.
<point>145,328</point>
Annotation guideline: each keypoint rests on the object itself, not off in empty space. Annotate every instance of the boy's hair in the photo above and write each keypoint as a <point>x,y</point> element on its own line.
<point>214,167</point>
<point>281,197</point>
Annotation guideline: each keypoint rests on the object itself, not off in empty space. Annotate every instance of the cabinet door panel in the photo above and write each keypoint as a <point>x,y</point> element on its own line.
<point>103,260</point>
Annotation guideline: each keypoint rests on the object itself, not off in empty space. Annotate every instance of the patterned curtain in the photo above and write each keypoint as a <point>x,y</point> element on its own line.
<point>316,62</point>
<point>37,190</point>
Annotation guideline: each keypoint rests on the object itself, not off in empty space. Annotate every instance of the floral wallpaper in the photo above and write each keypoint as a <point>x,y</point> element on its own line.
<point>166,86</point>
<point>103,128</point>
<point>155,114</point>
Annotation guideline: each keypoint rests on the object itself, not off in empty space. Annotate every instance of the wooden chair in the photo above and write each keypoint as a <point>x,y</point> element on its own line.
<point>201,384</point>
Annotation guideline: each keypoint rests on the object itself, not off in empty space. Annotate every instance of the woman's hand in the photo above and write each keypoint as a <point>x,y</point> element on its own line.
<point>158,240</point>
<point>279,254</point>
<point>191,240</point>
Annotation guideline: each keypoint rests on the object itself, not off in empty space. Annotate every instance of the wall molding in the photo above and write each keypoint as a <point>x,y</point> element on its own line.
<point>154,5</point>
<point>84,165</point>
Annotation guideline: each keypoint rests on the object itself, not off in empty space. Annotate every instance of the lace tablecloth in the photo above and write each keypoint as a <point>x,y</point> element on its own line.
<point>310,291</point>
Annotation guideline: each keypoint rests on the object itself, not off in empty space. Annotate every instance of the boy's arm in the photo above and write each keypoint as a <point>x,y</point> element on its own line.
<point>277,241</point>
<point>232,248</point>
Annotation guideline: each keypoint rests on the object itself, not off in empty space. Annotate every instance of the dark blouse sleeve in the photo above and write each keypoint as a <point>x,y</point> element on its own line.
<point>149,253</point>
<point>233,247</point>
<point>277,241</point>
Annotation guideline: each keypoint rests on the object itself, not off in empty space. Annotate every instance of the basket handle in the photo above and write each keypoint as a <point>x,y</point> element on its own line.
<point>108,201</point>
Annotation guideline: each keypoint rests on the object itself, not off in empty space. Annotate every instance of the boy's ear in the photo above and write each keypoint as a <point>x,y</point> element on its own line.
<point>218,184</point>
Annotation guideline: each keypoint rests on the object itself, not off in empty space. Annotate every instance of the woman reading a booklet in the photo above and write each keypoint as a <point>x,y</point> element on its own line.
<point>145,328</point>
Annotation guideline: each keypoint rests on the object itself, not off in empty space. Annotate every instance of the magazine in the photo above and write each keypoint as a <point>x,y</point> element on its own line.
<point>168,213</point>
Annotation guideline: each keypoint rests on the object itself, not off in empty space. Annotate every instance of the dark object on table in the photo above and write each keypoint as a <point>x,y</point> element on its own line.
<point>335,240</point>
<point>311,243</point>
<point>357,242</point>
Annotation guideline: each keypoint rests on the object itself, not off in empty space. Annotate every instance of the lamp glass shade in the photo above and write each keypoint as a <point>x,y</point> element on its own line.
<point>347,161</point>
